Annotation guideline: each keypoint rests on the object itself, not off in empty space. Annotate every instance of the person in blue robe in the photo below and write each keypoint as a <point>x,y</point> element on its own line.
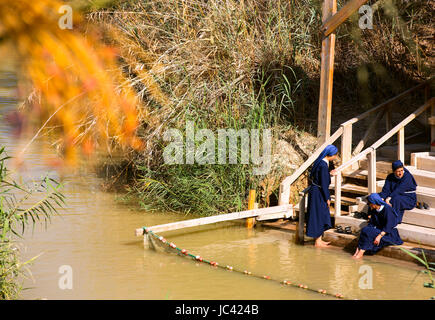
<point>381,230</point>
<point>318,215</point>
<point>399,189</point>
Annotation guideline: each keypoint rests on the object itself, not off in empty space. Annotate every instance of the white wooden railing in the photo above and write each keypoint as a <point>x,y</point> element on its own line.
<point>370,153</point>
<point>350,159</point>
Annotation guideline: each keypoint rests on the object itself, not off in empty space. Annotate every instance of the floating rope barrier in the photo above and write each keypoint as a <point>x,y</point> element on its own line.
<point>198,258</point>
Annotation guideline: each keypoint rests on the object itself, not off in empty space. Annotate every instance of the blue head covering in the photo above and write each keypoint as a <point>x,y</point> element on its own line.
<point>397,164</point>
<point>330,150</point>
<point>375,198</point>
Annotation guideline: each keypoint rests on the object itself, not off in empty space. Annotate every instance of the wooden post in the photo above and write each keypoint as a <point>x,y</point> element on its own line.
<point>432,133</point>
<point>250,222</point>
<point>147,239</point>
<point>431,120</point>
<point>299,237</point>
<point>284,194</point>
<point>337,195</point>
<point>326,75</point>
<point>346,143</point>
<point>368,133</point>
<point>401,145</point>
<point>372,171</point>
<point>345,12</point>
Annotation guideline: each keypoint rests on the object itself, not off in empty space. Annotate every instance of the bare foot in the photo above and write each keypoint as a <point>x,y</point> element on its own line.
<point>359,255</point>
<point>321,244</point>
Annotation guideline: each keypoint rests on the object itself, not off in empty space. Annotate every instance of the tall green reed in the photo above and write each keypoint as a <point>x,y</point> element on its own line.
<point>16,214</point>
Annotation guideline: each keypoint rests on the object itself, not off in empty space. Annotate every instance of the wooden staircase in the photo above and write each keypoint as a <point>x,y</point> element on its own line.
<point>363,171</point>
<point>418,225</point>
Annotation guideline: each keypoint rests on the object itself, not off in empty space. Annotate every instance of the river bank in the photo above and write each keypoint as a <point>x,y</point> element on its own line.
<point>93,238</point>
<point>250,65</point>
<point>348,242</point>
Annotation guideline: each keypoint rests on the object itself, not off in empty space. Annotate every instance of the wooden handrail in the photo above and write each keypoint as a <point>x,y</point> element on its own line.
<point>370,152</point>
<point>403,123</point>
<point>355,159</point>
<point>368,132</point>
<point>284,188</point>
<point>388,135</point>
<point>386,103</point>
<point>284,192</point>
<point>345,12</point>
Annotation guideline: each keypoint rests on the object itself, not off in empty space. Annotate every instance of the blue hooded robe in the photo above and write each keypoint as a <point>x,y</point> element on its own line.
<point>318,215</point>
<point>384,220</point>
<point>401,191</point>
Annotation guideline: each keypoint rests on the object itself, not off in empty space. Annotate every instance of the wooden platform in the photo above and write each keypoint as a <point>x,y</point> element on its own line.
<point>270,213</point>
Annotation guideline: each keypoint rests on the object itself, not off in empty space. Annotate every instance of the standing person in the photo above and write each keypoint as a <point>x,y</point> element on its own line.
<point>319,200</point>
<point>399,189</point>
<point>381,230</point>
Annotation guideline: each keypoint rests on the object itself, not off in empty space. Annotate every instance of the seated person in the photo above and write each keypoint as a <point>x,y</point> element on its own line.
<point>399,189</point>
<point>381,230</point>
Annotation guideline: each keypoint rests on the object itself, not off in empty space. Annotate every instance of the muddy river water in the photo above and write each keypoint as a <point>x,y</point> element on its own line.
<point>94,239</point>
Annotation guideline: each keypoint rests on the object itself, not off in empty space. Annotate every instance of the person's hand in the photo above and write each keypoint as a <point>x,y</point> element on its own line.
<point>377,239</point>
<point>333,172</point>
<point>388,201</point>
<point>328,202</point>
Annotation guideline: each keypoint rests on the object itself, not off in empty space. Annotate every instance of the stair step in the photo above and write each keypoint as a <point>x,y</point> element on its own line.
<point>417,234</point>
<point>408,232</point>
<point>381,166</point>
<point>363,173</point>
<point>423,178</point>
<point>425,194</point>
<point>391,151</point>
<point>419,217</point>
<point>353,188</point>
<point>331,210</point>
<point>425,162</point>
<point>346,200</point>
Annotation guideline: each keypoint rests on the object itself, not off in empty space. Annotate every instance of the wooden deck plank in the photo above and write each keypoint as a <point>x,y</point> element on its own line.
<point>213,219</point>
<point>362,174</point>
<point>349,187</point>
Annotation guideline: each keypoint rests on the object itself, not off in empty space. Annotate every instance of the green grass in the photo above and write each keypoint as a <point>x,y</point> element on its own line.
<point>15,216</point>
<point>251,64</point>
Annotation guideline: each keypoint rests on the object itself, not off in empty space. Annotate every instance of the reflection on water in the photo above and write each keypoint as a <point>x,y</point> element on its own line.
<point>95,236</point>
